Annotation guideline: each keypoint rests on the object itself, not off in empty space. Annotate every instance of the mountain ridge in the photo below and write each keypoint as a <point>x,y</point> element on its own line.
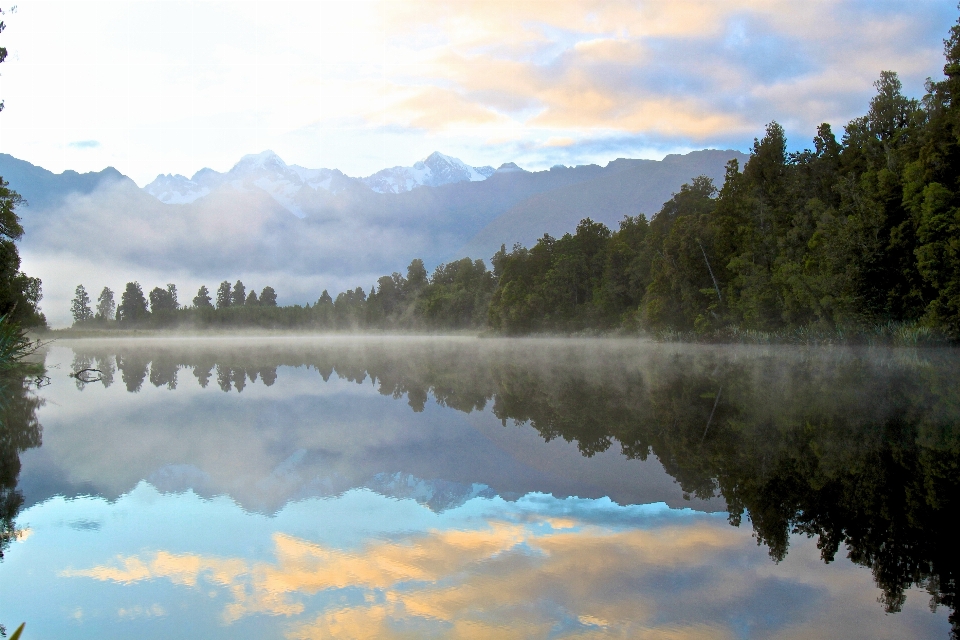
<point>266,170</point>
<point>304,240</point>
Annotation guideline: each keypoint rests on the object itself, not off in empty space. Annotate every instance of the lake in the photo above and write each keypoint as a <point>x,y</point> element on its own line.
<point>402,487</point>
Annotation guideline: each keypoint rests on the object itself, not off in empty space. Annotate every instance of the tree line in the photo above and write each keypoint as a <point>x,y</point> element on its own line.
<point>455,296</point>
<point>162,306</point>
<point>856,236</point>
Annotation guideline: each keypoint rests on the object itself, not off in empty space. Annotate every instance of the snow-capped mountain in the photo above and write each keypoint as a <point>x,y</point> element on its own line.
<point>433,171</point>
<point>266,171</point>
<point>175,189</point>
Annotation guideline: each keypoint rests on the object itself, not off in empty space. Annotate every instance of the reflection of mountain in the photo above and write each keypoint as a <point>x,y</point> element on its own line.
<point>857,448</point>
<point>276,448</point>
<point>439,495</point>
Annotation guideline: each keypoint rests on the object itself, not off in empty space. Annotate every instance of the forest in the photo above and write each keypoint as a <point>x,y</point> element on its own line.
<point>857,236</point>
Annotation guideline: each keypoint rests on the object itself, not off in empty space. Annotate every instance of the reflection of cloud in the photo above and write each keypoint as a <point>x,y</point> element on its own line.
<point>153,611</point>
<point>501,578</point>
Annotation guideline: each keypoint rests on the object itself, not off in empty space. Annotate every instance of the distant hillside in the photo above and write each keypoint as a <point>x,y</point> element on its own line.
<point>44,189</point>
<point>101,229</point>
<point>623,187</point>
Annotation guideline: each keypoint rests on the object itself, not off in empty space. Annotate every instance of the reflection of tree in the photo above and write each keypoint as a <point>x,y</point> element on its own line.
<point>850,450</point>
<point>19,431</point>
<point>133,370</point>
<point>856,448</point>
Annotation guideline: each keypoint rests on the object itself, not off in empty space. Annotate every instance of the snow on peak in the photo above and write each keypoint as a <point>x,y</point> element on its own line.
<point>256,162</point>
<point>175,189</point>
<point>265,171</point>
<point>268,172</point>
<point>434,170</point>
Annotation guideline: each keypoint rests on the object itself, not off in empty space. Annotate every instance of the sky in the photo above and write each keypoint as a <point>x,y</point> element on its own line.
<point>168,87</point>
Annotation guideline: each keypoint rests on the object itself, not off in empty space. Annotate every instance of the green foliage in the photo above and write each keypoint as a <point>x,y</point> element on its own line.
<point>268,297</point>
<point>133,306</point>
<point>14,345</point>
<point>846,238</point>
<point>106,307</point>
<point>239,295</point>
<point>19,294</point>
<point>80,306</point>
<point>202,299</point>
<point>559,284</point>
<point>162,300</point>
<point>223,295</point>
<point>858,238</point>
<point>457,296</point>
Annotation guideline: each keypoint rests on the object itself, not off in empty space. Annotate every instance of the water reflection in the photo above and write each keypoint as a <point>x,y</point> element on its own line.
<point>854,448</point>
<point>19,431</point>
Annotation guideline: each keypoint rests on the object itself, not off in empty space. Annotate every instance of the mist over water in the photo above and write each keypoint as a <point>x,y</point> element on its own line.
<point>389,486</point>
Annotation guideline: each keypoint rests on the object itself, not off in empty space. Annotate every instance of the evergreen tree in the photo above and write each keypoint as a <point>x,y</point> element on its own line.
<point>172,290</point>
<point>133,305</point>
<point>223,295</point>
<point>251,300</point>
<point>416,278</point>
<point>932,194</point>
<point>162,300</point>
<point>106,307</point>
<point>268,297</point>
<point>80,306</point>
<point>239,295</point>
<point>202,299</point>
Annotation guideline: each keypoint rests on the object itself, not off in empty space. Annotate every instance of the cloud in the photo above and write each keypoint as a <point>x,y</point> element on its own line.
<point>329,84</point>
<point>119,234</point>
<point>84,144</point>
<point>474,581</point>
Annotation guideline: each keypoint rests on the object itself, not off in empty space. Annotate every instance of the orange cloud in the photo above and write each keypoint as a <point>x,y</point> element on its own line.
<point>436,108</point>
<point>484,582</point>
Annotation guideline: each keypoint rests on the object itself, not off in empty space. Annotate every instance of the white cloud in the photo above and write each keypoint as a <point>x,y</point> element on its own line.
<point>172,87</point>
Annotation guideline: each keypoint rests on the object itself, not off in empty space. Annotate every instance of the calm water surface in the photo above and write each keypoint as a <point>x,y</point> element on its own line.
<point>468,488</point>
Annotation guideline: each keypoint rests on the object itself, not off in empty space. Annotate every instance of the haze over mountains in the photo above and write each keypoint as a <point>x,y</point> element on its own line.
<point>304,230</point>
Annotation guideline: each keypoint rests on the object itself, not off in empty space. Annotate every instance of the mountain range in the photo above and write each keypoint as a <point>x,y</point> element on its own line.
<point>267,171</point>
<point>302,230</point>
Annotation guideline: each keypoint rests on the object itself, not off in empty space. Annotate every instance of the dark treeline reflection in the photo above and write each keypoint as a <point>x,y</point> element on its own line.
<point>19,431</point>
<point>856,447</point>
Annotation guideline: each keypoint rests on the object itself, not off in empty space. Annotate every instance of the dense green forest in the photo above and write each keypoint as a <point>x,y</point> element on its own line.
<point>856,236</point>
<point>849,235</point>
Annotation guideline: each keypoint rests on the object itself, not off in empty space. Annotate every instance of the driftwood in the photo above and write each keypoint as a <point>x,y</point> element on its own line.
<point>85,375</point>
